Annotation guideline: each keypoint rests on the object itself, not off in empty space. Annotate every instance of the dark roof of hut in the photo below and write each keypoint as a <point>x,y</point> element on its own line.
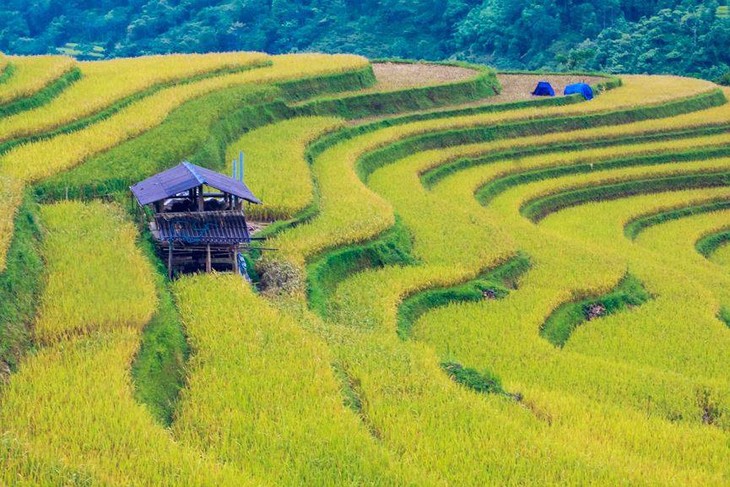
<point>184,177</point>
<point>209,227</point>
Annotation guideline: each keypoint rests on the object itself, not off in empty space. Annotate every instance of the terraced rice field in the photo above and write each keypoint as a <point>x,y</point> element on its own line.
<point>470,287</point>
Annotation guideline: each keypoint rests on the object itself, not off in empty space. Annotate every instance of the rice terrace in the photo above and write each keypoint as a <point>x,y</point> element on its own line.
<point>320,269</point>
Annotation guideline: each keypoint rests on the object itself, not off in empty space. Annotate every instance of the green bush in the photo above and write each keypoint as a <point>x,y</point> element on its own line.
<point>7,73</point>
<point>724,315</point>
<point>724,79</point>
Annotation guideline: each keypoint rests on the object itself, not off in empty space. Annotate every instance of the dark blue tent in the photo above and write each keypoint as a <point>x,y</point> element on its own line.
<point>544,89</point>
<point>581,89</point>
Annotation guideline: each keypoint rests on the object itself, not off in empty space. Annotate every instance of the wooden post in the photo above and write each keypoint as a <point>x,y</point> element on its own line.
<point>208,265</point>
<point>201,202</point>
<point>169,260</point>
<point>235,260</point>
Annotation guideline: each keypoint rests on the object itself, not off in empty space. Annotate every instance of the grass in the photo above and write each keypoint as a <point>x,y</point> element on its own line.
<point>37,81</point>
<point>635,227</point>
<point>158,370</point>
<point>69,150</point>
<point>287,424</point>
<point>80,378</point>
<point>363,154</point>
<point>580,142</point>
<point>374,291</point>
<point>121,166</point>
<point>395,101</point>
<point>484,383</point>
<point>689,304</point>
<point>324,273</point>
<point>699,96</point>
<point>539,208</point>
<point>82,123</point>
<point>492,284</point>
<point>105,83</point>
<point>221,115</point>
<point>86,240</point>
<point>279,148</point>
<point>453,313</point>
<point>480,133</point>
<point>724,315</point>
<point>593,161</point>
<point>712,243</point>
<point>314,385</point>
<point>7,70</point>
<point>74,148</point>
<point>28,76</point>
<point>21,283</point>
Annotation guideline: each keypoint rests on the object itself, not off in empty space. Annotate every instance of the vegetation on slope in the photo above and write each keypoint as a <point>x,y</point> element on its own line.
<point>158,370</point>
<point>87,240</point>
<point>395,411</point>
<point>34,81</point>
<point>279,148</point>
<point>21,282</point>
<point>494,283</point>
<point>80,378</point>
<point>560,324</point>
<point>615,36</point>
<point>285,423</point>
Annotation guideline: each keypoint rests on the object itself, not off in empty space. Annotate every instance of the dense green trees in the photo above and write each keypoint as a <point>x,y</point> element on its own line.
<point>678,36</point>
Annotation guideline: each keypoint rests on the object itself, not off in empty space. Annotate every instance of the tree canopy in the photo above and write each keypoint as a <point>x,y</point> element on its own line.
<point>656,36</point>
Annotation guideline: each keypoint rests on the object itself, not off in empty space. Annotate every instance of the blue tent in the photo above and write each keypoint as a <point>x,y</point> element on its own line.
<point>581,89</point>
<point>544,89</point>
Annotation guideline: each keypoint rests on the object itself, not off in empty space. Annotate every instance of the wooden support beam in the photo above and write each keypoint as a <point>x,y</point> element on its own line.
<point>201,201</point>
<point>208,265</point>
<point>234,253</point>
<point>169,260</point>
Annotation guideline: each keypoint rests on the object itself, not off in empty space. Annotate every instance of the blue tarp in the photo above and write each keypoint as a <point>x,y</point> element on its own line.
<point>581,89</point>
<point>544,89</point>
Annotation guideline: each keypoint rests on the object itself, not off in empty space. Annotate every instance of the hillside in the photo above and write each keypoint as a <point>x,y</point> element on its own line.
<point>683,37</point>
<point>458,283</point>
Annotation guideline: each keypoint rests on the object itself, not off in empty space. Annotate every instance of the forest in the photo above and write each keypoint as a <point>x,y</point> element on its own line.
<point>687,37</point>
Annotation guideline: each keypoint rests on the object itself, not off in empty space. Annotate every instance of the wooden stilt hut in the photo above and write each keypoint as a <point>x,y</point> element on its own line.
<point>196,218</point>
